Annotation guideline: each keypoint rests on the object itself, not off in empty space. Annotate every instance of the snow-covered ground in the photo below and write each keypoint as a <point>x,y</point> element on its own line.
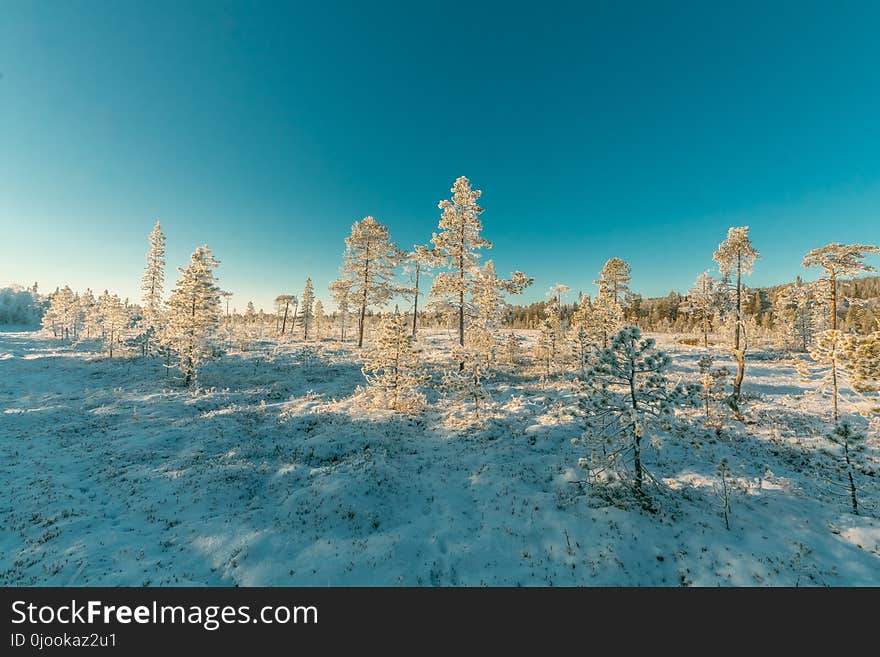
<point>271,473</point>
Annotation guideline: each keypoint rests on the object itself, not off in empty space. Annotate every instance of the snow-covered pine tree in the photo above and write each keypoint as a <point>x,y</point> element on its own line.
<point>736,254</point>
<point>61,316</point>
<point>194,313</point>
<point>283,302</point>
<point>340,291</point>
<point>420,261</point>
<point>852,442</point>
<point>512,350</point>
<point>226,295</point>
<point>628,396</point>
<point>701,304</point>
<point>604,319</point>
<point>557,292</point>
<point>392,368</point>
<point>865,369</point>
<point>548,347</point>
<point>833,352</point>
<point>250,313</point>
<point>320,320</point>
<point>51,321</point>
<point>839,261</point>
<point>91,314</point>
<point>488,297</point>
<point>487,306</point>
<point>153,286</point>
<point>465,383</point>
<point>307,308</point>
<point>614,280</point>
<point>581,345</point>
<point>798,318</point>
<point>713,387</point>
<point>115,320</point>
<point>370,261</point>
<point>458,243</point>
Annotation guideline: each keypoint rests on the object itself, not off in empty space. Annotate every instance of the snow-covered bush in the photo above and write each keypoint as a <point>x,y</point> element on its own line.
<point>713,389</point>
<point>392,368</point>
<point>463,386</point>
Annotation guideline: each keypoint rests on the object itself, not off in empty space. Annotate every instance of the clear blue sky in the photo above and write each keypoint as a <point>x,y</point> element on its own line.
<point>638,130</point>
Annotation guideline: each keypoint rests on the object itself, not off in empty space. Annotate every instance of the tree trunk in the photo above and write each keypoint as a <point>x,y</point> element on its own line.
<point>740,355</point>
<point>416,303</point>
<point>832,276</point>
<point>738,300</point>
<point>361,322</point>
<point>834,384</point>
<point>284,321</point>
<point>637,439</point>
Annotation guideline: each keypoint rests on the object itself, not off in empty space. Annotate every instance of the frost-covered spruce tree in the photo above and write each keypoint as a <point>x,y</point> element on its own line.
<point>736,255</point>
<point>392,368</point>
<point>115,320</point>
<point>193,313</point>
<point>370,261</point>
<point>320,320</point>
<point>250,313</point>
<point>701,304</point>
<point>839,261</point>
<point>307,308</point>
<point>458,243</point>
<point>340,291</point>
<point>628,399</point>
<point>614,280</point>
<point>153,285</point>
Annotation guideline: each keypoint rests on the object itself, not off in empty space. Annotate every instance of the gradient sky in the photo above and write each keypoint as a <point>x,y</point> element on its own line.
<point>638,130</point>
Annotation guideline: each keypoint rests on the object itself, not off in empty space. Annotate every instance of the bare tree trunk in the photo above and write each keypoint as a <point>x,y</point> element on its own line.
<point>637,439</point>
<point>361,323</point>
<point>366,283</point>
<point>834,384</point>
<point>740,355</point>
<point>416,302</point>
<point>738,300</point>
<point>284,321</point>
